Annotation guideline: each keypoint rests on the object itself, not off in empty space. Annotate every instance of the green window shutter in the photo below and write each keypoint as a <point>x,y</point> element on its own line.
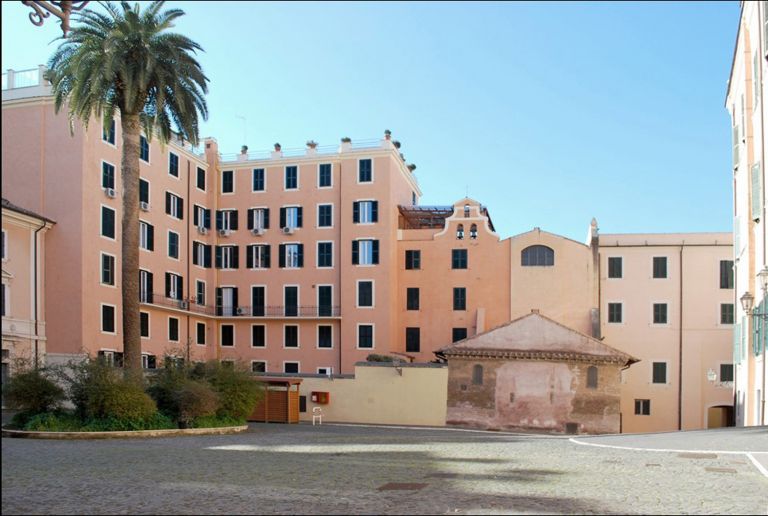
<point>757,189</point>
<point>743,346</point>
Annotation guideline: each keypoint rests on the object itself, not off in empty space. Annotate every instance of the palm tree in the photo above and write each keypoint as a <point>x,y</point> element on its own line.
<point>127,62</point>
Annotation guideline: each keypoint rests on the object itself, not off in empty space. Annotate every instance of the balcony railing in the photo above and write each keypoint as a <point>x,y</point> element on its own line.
<point>295,152</point>
<point>272,311</point>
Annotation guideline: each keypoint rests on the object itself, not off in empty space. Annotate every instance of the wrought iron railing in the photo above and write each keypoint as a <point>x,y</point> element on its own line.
<point>241,311</point>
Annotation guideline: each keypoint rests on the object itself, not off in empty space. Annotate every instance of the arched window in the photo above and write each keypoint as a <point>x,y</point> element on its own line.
<point>473,232</point>
<point>538,256</point>
<point>477,375</point>
<point>592,377</point>
<point>466,210</point>
<point>460,232</point>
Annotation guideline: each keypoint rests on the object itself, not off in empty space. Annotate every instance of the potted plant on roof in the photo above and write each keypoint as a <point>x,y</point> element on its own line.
<point>411,167</point>
<point>346,144</point>
<point>311,147</point>
<point>387,134</point>
<point>243,153</point>
<point>396,144</point>
<point>277,147</point>
<point>277,153</point>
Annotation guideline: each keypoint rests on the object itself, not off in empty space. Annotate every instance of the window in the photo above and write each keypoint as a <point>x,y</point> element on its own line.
<point>258,218</point>
<point>290,367</point>
<point>107,319</point>
<point>660,313</point>
<point>227,335</point>
<point>201,178</point>
<point>227,257</point>
<point>144,324</point>
<point>477,374</point>
<point>108,135</point>
<point>143,191</point>
<point>327,371</point>
<point>143,149</point>
<point>173,329</point>
<point>458,334</point>
<point>324,300</point>
<point>259,182</point>
<point>174,205</point>
<point>4,244</point>
<point>365,336</point>
<point>148,361</point>
<point>460,232</point>
<point>173,164</point>
<point>325,216</point>
<point>412,260</point>
<point>615,267</point>
<point>107,222</point>
<point>200,292</point>
<point>173,245</point>
<point>291,256</point>
<point>201,255</point>
<point>258,336</point>
<point>473,232</point>
<point>107,175</point>
<point>659,372</point>
<point>614,312</point>
<point>659,266</point>
<point>258,301</point>
<point>726,372</point>
<point>228,181</point>
<point>592,377</point>
<point>538,256</point>
<point>365,252</point>
<point>107,269</point>
<point>726,273</point>
<point>291,338</point>
<point>459,259</point>
<point>257,256</point>
<point>202,217</point>
<point>324,175</point>
<point>365,212</point>
<point>459,298</point>
<point>412,296</point>
<point>291,300</point>
<point>200,334</point>
<point>642,407</point>
<point>226,220</point>
<point>146,236</point>
<point>258,366</point>
<point>755,80</point>
<point>174,286</point>
<point>325,254</point>
<point>324,337</point>
<point>291,217</point>
<point>291,177</point>
<point>365,171</point>
<point>5,301</point>
<point>726,313</point>
<point>412,340</point>
<point>145,286</point>
<point>365,294</point>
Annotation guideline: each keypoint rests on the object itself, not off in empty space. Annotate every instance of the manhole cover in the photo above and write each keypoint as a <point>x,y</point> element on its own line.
<point>720,470</point>
<point>402,486</point>
<point>697,455</point>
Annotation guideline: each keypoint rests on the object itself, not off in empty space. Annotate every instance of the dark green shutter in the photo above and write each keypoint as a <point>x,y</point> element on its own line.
<point>218,257</point>
<point>195,218</point>
<point>150,237</point>
<point>266,256</point>
<point>219,220</point>
<point>281,256</point>
<point>282,219</point>
<point>168,203</point>
<point>299,212</point>
<point>167,284</point>
<point>219,299</point>
<point>249,256</point>
<point>195,246</point>
<point>301,255</point>
<point>374,211</point>
<point>375,254</point>
<point>235,257</point>
<point>207,256</point>
<point>266,218</point>
<point>251,213</point>
<point>355,252</point>
<point>233,220</point>
<point>355,212</point>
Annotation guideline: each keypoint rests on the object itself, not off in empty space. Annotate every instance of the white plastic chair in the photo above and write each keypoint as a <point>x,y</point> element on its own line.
<point>317,416</point>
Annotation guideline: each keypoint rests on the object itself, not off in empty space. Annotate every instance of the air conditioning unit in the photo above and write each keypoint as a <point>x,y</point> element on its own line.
<point>287,231</point>
<point>183,304</point>
<point>202,230</point>
<point>257,231</point>
<point>144,206</point>
<point>240,311</point>
<point>224,232</point>
<point>110,192</point>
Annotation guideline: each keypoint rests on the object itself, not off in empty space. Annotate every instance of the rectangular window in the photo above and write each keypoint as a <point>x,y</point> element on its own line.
<point>145,286</point>
<point>290,367</point>
<point>614,312</point>
<point>258,256</point>
<point>258,219</point>
<point>4,245</point>
<point>291,177</point>
<point>325,216</point>
<point>659,266</point>
<point>143,149</point>
<point>659,372</point>
<point>291,336</point>
<point>227,257</point>
<point>660,313</point>
<point>642,407</point>
<point>107,269</point>
<point>144,324</point>
<point>228,181</point>
<point>365,212</point>
<point>291,299</point>
<point>258,301</point>
<point>258,336</point>
<point>173,164</point>
<point>291,256</point>
<point>4,301</point>
<point>291,217</point>
<point>412,340</point>
<point>107,175</point>
<point>201,334</point>
<point>459,298</point>
<point>412,260</point>
<point>726,313</point>
<point>173,329</point>
<point>227,335</point>
<point>365,174</point>
<point>146,236</point>
<point>201,178</point>
<point>107,222</point>
<point>258,366</point>
<point>615,267</point>
<point>107,319</point>
<point>459,334</point>
<point>459,259</point>
<point>226,220</point>
<point>109,135</point>
<point>173,245</point>
<point>201,254</point>
<point>365,252</point>
<point>412,298</point>
<point>143,191</point>
<point>726,273</point>
<point>365,336</point>
<point>258,180</point>
<point>174,205</point>
<point>324,337</point>
<point>174,286</point>
<point>325,254</point>
<point>324,300</point>
<point>324,175</point>
<point>365,294</point>
<point>200,292</point>
<point>726,372</point>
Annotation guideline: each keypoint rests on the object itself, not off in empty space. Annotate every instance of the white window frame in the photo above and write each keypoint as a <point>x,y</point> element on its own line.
<point>234,187</point>
<point>259,362</point>
<point>200,215</point>
<point>608,267</point>
<point>221,336</point>
<point>285,178</point>
<point>253,172</point>
<point>328,372</point>
<point>266,299</point>
<point>149,149</point>
<point>292,222</point>
<point>114,269</point>
<point>298,335</point>
<point>623,311</point>
<point>227,257</point>
<point>317,255</point>
<point>317,213</point>
<point>178,245</point>
<point>668,266</point>
<point>175,208</point>
<point>373,172</point>
<point>265,336</point>
<point>197,323</point>
<point>199,282</point>
<point>373,335</point>
<point>654,324</point>
<point>233,308</point>
<point>666,371</point>
<point>205,174</point>
<point>258,253</point>
<point>317,294</point>
<point>298,298</point>
<point>369,256</point>
<point>178,166</point>
<point>258,216</point>
<point>114,174</point>
<point>140,283</point>
<point>149,324</point>
<point>317,335</point>
<point>144,235</point>
<point>298,366</point>
<point>101,318</point>
<point>368,202</point>
<point>101,223</point>
<point>200,253</point>
<point>226,215</point>
<point>113,145</point>
<point>295,263</point>
<point>373,294</point>
<point>318,177</point>
<point>173,293</point>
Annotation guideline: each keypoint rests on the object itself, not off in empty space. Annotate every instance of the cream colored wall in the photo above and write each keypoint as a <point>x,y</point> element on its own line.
<point>380,395</point>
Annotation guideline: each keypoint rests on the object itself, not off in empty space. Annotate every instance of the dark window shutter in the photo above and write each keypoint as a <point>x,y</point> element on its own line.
<point>282,219</point>
<point>281,257</point>
<point>251,213</point>
<point>266,256</point>
<point>236,257</point>
<point>150,286</point>
<point>167,284</point>
<point>195,246</point>
<point>375,253</point>
<point>195,218</point>
<point>234,299</point>
<point>374,211</point>
<point>233,220</point>
<point>301,255</point>
<point>219,219</point>
<point>266,218</point>
<point>180,287</point>
<point>218,257</point>
<point>355,252</point>
<point>181,208</point>
<point>219,298</point>
<point>249,256</point>
<point>299,212</point>
<point>168,203</point>
<point>207,217</point>
<point>207,256</point>
<point>150,237</point>
<point>355,212</point>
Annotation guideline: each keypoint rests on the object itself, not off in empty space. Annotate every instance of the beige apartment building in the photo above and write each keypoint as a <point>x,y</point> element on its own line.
<point>307,261</point>
<point>745,102</point>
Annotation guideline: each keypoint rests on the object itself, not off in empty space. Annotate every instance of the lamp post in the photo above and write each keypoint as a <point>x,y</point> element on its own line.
<point>60,10</point>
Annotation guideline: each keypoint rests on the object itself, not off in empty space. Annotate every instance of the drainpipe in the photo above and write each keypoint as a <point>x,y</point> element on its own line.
<point>762,144</point>
<point>341,182</point>
<point>680,350</point>
<point>190,209</point>
<point>37,334</point>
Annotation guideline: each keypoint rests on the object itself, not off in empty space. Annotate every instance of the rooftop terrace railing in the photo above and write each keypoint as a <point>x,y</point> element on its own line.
<point>295,152</point>
<point>13,79</point>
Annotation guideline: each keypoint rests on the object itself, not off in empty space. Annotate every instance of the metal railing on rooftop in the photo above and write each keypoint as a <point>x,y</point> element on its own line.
<point>295,152</point>
<point>13,79</point>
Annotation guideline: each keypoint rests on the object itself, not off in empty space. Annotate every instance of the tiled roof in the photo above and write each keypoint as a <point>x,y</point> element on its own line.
<point>10,206</point>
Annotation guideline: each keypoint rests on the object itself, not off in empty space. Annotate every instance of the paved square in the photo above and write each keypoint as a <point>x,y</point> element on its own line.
<point>282,469</point>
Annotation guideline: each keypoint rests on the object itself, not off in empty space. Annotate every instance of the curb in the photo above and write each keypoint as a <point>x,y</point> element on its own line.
<point>173,432</point>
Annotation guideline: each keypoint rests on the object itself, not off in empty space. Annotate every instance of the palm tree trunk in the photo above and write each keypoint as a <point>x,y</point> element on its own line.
<point>130,245</point>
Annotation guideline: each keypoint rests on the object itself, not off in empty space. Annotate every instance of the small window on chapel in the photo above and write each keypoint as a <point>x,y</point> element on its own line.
<point>473,232</point>
<point>477,375</point>
<point>460,232</point>
<point>592,377</point>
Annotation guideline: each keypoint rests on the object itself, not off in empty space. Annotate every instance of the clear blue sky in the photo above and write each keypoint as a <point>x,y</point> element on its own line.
<point>548,113</point>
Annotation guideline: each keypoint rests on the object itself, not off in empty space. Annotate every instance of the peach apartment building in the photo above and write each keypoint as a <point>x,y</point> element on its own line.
<point>306,262</point>
<point>745,102</point>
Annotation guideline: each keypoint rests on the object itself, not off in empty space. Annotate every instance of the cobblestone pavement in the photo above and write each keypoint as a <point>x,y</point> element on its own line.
<point>297,469</point>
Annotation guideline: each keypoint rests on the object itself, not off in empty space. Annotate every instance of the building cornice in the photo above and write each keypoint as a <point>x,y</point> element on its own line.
<point>552,356</point>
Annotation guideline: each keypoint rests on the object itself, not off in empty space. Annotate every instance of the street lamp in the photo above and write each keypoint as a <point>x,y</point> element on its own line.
<point>747,300</point>
<point>60,10</point>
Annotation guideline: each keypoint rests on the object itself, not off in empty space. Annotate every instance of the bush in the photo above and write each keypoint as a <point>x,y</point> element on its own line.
<point>156,421</point>
<point>373,357</point>
<point>33,392</point>
<point>216,422</point>
<point>165,387</point>
<point>238,392</point>
<point>196,400</point>
<point>53,422</point>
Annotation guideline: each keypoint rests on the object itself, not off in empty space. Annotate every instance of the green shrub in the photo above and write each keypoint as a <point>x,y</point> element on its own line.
<point>33,392</point>
<point>53,422</point>
<point>164,388</point>
<point>238,392</point>
<point>156,421</point>
<point>373,357</point>
<point>195,400</point>
<point>216,422</point>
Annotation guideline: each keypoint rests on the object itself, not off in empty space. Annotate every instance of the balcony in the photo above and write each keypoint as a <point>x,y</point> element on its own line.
<point>261,312</point>
<point>19,84</point>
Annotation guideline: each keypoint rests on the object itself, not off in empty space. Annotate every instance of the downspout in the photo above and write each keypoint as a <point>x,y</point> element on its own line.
<point>338,268</point>
<point>680,350</point>
<point>189,245</point>
<point>760,48</point>
<point>37,332</point>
